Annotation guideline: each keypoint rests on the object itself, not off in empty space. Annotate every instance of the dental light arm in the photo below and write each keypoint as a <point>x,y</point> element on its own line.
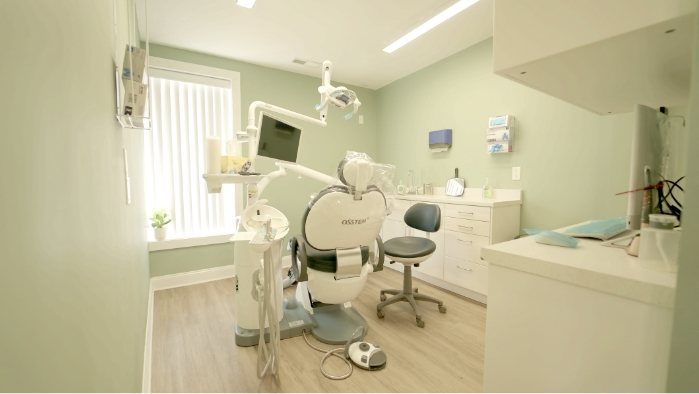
<point>298,169</point>
<point>339,96</point>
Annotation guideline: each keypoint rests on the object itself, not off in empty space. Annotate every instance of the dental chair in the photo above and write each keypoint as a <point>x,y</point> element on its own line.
<point>411,251</point>
<point>338,248</point>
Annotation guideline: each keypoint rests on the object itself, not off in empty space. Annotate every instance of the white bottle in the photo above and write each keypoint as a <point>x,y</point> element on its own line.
<point>487,190</point>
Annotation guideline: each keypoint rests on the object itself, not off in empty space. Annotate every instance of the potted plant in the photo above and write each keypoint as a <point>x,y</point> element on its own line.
<point>158,221</point>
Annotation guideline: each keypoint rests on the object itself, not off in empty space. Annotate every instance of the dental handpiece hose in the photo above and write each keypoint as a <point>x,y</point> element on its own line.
<point>268,354</point>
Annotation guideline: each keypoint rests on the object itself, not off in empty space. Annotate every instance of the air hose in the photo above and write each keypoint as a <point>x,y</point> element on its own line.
<point>340,352</point>
<point>267,354</point>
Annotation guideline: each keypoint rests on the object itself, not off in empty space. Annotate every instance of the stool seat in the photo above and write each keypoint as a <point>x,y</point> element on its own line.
<point>409,247</point>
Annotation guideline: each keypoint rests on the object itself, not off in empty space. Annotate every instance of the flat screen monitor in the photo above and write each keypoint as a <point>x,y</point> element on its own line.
<point>278,140</point>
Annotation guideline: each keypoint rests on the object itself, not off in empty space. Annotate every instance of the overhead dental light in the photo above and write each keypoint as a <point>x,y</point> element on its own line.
<point>339,96</point>
<point>430,24</point>
<point>246,3</point>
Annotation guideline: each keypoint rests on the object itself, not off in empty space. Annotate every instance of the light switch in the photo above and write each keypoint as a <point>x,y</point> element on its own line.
<point>361,119</point>
<point>516,173</point>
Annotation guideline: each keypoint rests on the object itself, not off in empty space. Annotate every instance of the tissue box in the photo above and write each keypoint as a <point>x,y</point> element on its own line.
<point>135,94</point>
<point>134,64</point>
<point>499,134</point>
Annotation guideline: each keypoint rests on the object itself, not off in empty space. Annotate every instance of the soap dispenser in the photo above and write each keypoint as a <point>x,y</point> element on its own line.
<point>487,190</point>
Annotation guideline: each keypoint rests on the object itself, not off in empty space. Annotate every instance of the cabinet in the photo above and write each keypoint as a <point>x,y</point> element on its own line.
<point>639,51</point>
<point>468,223</point>
<point>587,319</point>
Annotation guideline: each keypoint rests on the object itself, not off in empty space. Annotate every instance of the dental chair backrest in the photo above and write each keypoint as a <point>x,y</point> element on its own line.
<point>349,215</point>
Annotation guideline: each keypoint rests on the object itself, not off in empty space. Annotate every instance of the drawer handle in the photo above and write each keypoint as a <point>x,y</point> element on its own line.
<point>465,241</point>
<point>461,267</point>
<point>468,228</point>
<point>466,213</point>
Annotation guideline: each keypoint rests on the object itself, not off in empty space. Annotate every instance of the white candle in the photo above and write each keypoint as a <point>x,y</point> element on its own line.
<point>213,155</point>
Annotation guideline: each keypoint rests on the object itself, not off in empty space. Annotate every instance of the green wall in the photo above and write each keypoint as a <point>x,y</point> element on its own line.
<point>74,278</point>
<point>684,356</point>
<point>321,148</point>
<point>173,261</point>
<point>572,161</point>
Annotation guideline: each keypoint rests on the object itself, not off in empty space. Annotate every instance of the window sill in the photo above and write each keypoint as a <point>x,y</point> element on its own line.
<point>188,242</point>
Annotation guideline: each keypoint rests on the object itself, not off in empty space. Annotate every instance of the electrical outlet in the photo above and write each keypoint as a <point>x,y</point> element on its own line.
<point>516,173</point>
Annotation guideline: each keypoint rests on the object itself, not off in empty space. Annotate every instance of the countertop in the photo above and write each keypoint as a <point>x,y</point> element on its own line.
<point>591,265</point>
<point>471,196</point>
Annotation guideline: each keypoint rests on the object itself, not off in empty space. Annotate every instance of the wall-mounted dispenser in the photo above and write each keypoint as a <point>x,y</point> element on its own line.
<point>500,134</point>
<point>440,140</point>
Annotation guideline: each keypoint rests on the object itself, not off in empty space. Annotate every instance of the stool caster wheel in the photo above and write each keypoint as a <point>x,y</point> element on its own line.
<point>380,314</point>
<point>420,322</point>
<point>382,297</point>
<point>442,309</point>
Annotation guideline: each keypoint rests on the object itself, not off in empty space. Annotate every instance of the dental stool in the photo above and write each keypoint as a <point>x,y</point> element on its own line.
<point>338,247</point>
<point>411,251</point>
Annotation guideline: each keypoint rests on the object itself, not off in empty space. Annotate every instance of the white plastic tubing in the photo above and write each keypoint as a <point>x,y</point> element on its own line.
<point>268,354</point>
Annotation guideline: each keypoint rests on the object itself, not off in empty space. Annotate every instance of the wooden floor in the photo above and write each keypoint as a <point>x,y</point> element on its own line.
<point>194,346</point>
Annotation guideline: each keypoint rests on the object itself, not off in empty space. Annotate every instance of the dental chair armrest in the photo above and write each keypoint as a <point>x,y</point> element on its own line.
<point>298,249</point>
<point>379,265</point>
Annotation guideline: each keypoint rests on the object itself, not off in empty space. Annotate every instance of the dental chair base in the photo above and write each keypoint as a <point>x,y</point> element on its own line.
<point>295,320</point>
<point>334,323</point>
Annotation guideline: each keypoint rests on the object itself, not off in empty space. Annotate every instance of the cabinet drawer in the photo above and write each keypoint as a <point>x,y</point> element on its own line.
<point>463,247</point>
<point>469,275</point>
<point>467,212</point>
<point>467,226</point>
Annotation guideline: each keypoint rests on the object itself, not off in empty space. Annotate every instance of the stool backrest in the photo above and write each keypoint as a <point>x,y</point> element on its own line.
<point>424,217</point>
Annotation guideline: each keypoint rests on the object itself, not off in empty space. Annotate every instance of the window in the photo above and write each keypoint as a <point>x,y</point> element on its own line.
<point>189,103</point>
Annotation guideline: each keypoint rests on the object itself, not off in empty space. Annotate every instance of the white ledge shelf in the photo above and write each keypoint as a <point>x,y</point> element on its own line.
<point>134,122</point>
<point>215,181</point>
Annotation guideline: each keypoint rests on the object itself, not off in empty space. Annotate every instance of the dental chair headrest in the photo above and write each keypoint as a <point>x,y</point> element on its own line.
<point>355,172</point>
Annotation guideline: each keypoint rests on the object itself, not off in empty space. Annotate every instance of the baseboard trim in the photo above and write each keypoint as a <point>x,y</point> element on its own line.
<point>192,277</point>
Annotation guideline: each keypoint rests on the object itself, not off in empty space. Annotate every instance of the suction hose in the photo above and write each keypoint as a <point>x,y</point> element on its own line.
<point>268,354</point>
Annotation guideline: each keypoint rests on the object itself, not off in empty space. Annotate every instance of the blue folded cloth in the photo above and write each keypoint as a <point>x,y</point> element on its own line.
<point>600,229</point>
<point>556,239</point>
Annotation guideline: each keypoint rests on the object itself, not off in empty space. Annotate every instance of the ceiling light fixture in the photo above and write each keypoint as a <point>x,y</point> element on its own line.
<point>430,24</point>
<point>246,3</point>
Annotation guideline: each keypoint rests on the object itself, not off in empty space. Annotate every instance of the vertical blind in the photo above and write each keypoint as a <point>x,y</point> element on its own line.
<point>184,114</point>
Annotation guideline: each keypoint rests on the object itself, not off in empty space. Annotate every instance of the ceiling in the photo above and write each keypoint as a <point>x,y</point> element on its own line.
<point>351,34</point>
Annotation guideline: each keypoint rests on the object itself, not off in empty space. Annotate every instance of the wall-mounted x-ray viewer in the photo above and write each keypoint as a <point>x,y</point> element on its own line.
<point>440,140</point>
